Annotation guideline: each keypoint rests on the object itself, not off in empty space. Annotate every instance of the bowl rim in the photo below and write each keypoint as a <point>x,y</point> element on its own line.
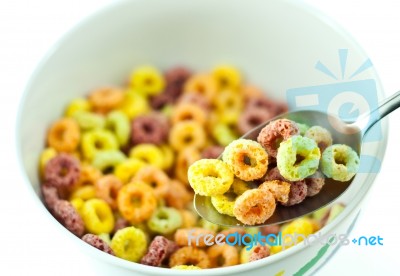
<point>113,6</point>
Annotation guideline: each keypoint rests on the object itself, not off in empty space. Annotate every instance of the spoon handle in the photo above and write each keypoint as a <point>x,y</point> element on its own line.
<point>368,119</point>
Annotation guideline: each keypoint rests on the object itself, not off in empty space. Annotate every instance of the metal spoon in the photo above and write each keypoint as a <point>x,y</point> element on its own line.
<point>342,132</point>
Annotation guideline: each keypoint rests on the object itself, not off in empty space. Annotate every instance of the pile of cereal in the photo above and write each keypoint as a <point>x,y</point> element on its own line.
<point>114,172</point>
<point>282,165</point>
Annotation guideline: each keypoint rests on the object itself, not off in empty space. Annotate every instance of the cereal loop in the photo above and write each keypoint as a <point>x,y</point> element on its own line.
<point>155,178</point>
<point>190,255</point>
<point>226,77</point>
<point>254,206</point>
<point>152,128</point>
<point>223,255</point>
<point>119,124</point>
<point>246,158</point>
<point>289,153</point>
<point>194,98</point>
<point>272,134</point>
<point>188,112</point>
<point>105,99</point>
<point>320,135</point>
<point>252,118</point>
<point>98,243</point>
<point>129,243</point>
<point>315,183</point>
<point>203,85</point>
<point>187,134</point>
<point>97,215</point>
<point>185,158</point>
<point>66,214</point>
<point>158,251</point>
<point>259,252</point>
<point>279,189</point>
<point>78,104</point>
<point>128,169</point>
<point>134,104</point>
<point>165,220</point>
<point>85,192</point>
<point>210,177</point>
<point>178,196</point>
<point>64,135</point>
<point>62,171</point>
<point>148,80</point>
<point>148,153</point>
<point>224,204</point>
<point>136,202</point>
<point>107,188</point>
<point>97,140</point>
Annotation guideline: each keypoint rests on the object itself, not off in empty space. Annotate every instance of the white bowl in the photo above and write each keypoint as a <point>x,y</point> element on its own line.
<point>276,44</point>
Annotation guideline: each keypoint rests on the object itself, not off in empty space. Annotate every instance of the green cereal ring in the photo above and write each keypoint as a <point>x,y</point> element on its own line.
<point>224,203</point>
<point>302,128</point>
<point>129,243</point>
<point>246,158</point>
<point>320,135</point>
<point>107,159</point>
<point>210,177</point>
<point>118,122</point>
<point>97,140</point>
<point>340,162</point>
<point>287,158</point>
<point>223,134</point>
<point>165,220</point>
<point>88,120</point>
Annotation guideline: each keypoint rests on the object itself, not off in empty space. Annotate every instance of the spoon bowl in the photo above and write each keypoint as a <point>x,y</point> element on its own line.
<point>342,132</point>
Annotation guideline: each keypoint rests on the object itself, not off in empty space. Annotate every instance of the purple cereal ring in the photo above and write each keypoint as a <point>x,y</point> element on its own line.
<point>270,229</point>
<point>62,171</point>
<point>161,100</point>
<point>152,128</point>
<point>276,131</point>
<point>159,249</point>
<point>98,243</point>
<point>66,214</point>
<point>50,196</point>
<point>120,223</point>
<point>315,183</point>
<point>259,252</point>
<point>298,189</point>
<point>264,104</point>
<point>176,77</point>
<point>251,118</point>
<point>212,152</point>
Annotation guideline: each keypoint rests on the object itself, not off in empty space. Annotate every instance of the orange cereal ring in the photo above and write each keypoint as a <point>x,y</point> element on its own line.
<point>178,196</point>
<point>193,236</point>
<point>246,158</point>
<point>254,206</point>
<point>105,99</point>
<point>155,178</point>
<point>187,134</point>
<point>223,255</point>
<point>259,252</point>
<point>64,135</point>
<point>136,202</point>
<point>185,158</point>
<point>107,188</point>
<point>280,189</point>
<point>89,175</point>
<point>190,256</point>
<point>201,84</point>
<point>188,112</point>
<point>250,91</point>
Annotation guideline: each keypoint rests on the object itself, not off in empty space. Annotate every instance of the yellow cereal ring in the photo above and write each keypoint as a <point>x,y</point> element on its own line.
<point>224,134</point>
<point>201,84</point>
<point>64,135</point>
<point>254,206</point>
<point>320,135</point>
<point>97,140</point>
<point>187,134</point>
<point>129,243</point>
<point>106,99</point>
<point>228,101</point>
<point>239,186</point>
<point>224,204</point>
<point>185,158</point>
<point>78,104</point>
<point>155,178</point>
<point>45,156</point>
<point>148,153</point>
<point>227,76</point>
<point>128,169</point>
<point>246,158</point>
<point>188,112</point>
<point>78,204</point>
<point>147,79</point>
<point>136,202</point>
<point>168,156</point>
<point>84,192</point>
<point>97,216</point>
<point>134,104</point>
<point>186,267</point>
<point>210,177</point>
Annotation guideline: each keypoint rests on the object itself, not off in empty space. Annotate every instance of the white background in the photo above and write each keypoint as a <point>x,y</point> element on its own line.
<point>27,243</point>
